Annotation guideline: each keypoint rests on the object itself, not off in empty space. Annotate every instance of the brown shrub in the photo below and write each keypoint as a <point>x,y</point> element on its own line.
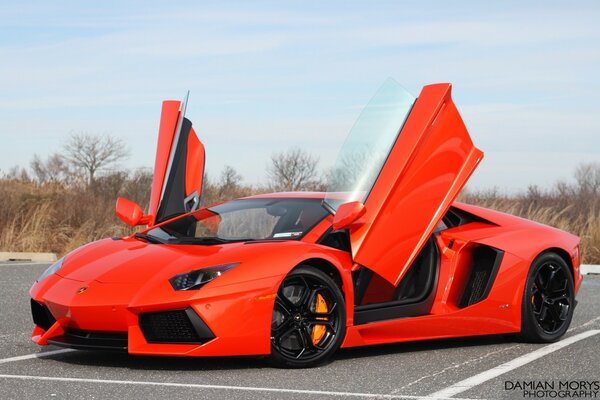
<point>571,207</point>
<point>58,217</point>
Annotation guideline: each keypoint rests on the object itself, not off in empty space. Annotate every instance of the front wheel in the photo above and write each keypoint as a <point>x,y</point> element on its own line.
<point>309,319</point>
<point>548,300</point>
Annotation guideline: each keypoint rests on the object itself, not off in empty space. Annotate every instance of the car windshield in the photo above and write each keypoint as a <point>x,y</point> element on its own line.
<point>368,144</point>
<point>242,220</point>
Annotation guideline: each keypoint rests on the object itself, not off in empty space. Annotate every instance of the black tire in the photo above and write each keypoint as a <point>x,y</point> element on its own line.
<point>548,300</point>
<point>302,334</point>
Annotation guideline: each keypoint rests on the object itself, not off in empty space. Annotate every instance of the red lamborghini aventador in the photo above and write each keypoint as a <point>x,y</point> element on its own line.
<point>385,255</point>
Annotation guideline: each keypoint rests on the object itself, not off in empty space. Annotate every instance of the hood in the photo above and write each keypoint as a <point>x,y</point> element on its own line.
<point>134,261</point>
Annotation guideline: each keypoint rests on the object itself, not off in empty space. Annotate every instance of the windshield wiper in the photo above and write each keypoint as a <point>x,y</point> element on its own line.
<point>149,238</point>
<point>207,240</point>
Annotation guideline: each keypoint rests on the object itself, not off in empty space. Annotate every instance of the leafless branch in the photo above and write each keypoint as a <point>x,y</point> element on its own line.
<point>93,153</point>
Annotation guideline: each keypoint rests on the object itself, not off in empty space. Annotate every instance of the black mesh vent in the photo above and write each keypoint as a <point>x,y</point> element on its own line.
<point>484,267</point>
<point>176,326</point>
<point>41,315</point>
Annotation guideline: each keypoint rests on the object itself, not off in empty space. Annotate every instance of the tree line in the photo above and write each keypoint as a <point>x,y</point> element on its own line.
<point>93,162</point>
<point>67,198</point>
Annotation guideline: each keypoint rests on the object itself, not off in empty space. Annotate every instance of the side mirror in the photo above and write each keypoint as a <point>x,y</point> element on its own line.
<point>348,213</point>
<point>130,212</point>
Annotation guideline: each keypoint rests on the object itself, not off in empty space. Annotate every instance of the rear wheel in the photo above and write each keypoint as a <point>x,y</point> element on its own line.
<point>309,319</point>
<point>548,300</point>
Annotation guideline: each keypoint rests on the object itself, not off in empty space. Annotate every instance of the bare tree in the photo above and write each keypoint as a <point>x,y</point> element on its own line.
<point>137,186</point>
<point>92,153</point>
<point>587,176</point>
<point>230,181</point>
<point>293,170</point>
<point>53,169</point>
<point>17,173</point>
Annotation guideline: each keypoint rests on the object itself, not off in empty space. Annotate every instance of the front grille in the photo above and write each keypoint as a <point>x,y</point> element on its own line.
<point>88,340</point>
<point>175,326</point>
<point>41,315</point>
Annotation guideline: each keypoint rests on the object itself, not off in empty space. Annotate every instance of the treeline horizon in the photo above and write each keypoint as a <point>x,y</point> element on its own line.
<point>67,199</point>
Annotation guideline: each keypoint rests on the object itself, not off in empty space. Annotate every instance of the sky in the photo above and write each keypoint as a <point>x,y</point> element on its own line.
<point>265,76</point>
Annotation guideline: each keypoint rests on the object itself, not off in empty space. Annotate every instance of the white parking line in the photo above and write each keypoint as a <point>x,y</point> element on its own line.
<point>586,324</point>
<point>224,387</point>
<point>34,355</point>
<point>485,376</point>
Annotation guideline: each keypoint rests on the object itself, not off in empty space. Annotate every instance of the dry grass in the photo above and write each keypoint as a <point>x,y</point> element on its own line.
<point>575,212</point>
<point>57,217</point>
<point>53,218</point>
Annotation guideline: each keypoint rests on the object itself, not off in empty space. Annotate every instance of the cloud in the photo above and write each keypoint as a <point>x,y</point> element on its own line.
<point>266,74</point>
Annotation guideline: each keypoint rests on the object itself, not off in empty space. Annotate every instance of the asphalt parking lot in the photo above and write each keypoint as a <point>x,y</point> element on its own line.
<point>473,368</point>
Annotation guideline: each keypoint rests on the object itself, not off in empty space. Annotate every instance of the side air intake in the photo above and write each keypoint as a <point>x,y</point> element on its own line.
<point>484,267</point>
<point>41,315</point>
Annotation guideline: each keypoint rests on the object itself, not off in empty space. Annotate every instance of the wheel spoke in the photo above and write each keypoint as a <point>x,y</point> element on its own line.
<point>301,353</point>
<point>563,311</point>
<point>553,313</point>
<point>562,288</point>
<point>284,334</point>
<point>285,304</point>
<point>286,323</point>
<point>306,338</point>
<point>306,294</point>
<point>316,321</point>
<point>331,309</point>
<point>539,282</point>
<point>313,295</point>
<point>329,326</point>
<point>543,312</point>
<point>558,297</point>
<point>328,313</point>
<point>550,279</point>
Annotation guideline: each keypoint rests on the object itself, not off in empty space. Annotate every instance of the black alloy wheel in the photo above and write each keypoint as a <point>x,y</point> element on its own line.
<point>548,300</point>
<point>309,319</point>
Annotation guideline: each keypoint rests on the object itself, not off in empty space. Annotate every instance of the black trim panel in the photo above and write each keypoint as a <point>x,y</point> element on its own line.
<point>85,340</point>
<point>173,199</point>
<point>456,217</point>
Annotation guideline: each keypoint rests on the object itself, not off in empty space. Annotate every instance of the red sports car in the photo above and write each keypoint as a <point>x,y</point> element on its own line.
<point>385,255</point>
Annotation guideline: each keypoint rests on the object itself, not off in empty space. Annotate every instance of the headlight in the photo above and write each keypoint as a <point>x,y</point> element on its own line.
<point>51,269</point>
<point>199,277</point>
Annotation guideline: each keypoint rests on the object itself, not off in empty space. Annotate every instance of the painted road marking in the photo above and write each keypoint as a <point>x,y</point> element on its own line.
<point>485,376</point>
<point>35,355</point>
<point>586,324</point>
<point>225,387</point>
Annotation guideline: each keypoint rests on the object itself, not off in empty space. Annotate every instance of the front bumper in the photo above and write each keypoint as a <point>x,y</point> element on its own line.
<point>232,320</point>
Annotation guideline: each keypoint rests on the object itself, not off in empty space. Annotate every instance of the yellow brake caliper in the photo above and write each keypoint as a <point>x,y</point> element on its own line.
<point>318,331</point>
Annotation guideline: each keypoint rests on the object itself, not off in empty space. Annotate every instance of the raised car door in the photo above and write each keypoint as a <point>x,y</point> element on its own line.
<point>179,165</point>
<point>406,160</point>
